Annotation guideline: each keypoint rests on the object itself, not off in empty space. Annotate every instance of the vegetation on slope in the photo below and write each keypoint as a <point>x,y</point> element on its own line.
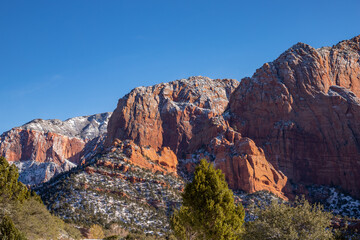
<point>23,213</point>
<point>301,220</point>
<point>111,192</point>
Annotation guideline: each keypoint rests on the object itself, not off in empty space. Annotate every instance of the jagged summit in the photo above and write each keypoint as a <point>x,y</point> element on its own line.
<point>195,78</point>
<point>148,115</point>
<point>299,45</point>
<point>85,127</point>
<point>353,43</point>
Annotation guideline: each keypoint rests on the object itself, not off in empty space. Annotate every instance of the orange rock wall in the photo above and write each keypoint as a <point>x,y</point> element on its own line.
<point>169,114</point>
<point>181,117</point>
<point>163,160</point>
<point>23,145</point>
<point>303,110</point>
<point>297,118</point>
<point>246,168</point>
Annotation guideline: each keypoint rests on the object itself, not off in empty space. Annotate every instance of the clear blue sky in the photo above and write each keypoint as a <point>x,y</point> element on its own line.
<point>61,59</point>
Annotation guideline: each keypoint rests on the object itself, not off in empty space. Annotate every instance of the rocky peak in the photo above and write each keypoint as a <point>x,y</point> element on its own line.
<point>85,127</point>
<point>352,44</point>
<point>300,49</point>
<point>169,114</point>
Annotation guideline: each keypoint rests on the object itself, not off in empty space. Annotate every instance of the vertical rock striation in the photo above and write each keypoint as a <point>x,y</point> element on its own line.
<point>303,110</point>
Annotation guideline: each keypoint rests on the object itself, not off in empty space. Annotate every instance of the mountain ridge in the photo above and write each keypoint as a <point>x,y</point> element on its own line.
<point>290,129</point>
<point>189,114</point>
<point>42,149</point>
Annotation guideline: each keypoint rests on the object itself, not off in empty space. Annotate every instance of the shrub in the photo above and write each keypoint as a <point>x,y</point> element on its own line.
<point>96,231</point>
<point>283,221</point>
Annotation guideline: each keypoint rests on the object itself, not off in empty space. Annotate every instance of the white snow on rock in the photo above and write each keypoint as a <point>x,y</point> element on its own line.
<point>85,127</point>
<point>33,173</point>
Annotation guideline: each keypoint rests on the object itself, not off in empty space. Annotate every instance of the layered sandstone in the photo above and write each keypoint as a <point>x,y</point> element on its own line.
<point>303,110</point>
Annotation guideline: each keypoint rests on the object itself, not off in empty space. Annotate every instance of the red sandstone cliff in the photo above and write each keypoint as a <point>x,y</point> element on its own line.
<point>184,116</point>
<point>163,160</point>
<point>23,145</point>
<point>169,114</point>
<point>297,118</point>
<point>303,110</point>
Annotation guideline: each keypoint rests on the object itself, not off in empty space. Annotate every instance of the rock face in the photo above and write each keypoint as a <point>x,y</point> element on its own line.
<point>184,116</point>
<point>51,146</point>
<point>22,145</point>
<point>169,114</point>
<point>303,110</point>
<point>163,160</point>
<point>246,168</point>
<point>297,118</point>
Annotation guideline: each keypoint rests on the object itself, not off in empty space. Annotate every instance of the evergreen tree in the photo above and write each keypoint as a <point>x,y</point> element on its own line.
<point>24,209</point>
<point>10,188</point>
<point>8,231</point>
<point>208,210</point>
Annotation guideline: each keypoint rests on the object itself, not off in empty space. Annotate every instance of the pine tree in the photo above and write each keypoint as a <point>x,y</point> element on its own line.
<point>208,210</point>
<point>10,187</point>
<point>8,231</point>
